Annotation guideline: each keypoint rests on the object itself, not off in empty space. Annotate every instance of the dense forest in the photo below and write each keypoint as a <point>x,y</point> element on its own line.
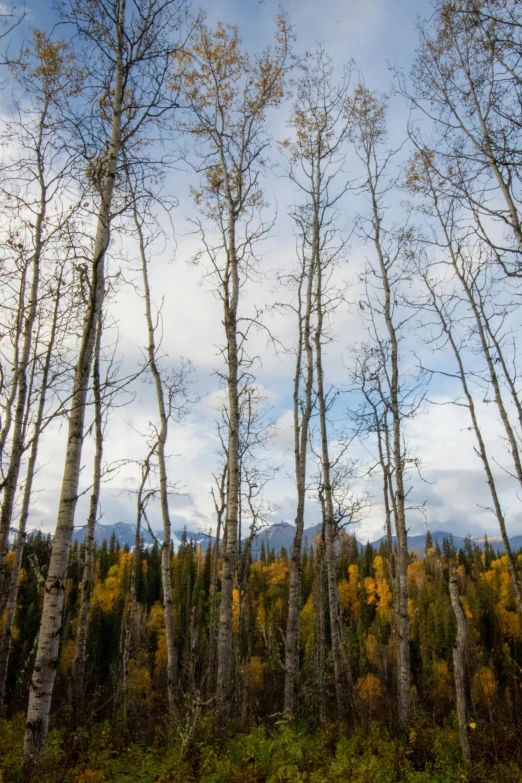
<point>327,660</point>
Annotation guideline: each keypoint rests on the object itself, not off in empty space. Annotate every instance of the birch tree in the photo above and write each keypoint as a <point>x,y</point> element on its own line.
<point>316,166</point>
<point>133,48</point>
<point>87,583</point>
<point>228,94</point>
<point>466,301</point>
<point>34,187</point>
<point>170,400</point>
<point>367,112</point>
<point>467,80</point>
<point>34,430</point>
<point>459,651</point>
<point>143,496</point>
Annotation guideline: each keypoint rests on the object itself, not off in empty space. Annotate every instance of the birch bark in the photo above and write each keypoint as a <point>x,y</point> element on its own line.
<point>161,435</point>
<point>301,431</point>
<point>44,673</point>
<point>459,649</point>
<point>12,593</point>
<point>87,583</point>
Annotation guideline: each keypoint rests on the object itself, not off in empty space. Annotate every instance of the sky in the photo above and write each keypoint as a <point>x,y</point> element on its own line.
<point>375,35</point>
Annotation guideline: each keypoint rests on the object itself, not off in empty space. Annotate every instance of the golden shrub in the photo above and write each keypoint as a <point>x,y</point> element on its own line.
<point>441,682</point>
<point>257,673</point>
<point>306,625</point>
<point>372,649</point>
<point>277,572</point>
<point>369,690</point>
<point>484,686</point>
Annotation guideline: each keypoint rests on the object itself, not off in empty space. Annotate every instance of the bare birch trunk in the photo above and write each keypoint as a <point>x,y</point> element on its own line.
<point>319,632</point>
<point>401,608</point>
<point>12,594</point>
<point>301,430</point>
<point>17,440</point>
<point>471,404</point>
<point>86,585</point>
<point>220,510</point>
<point>162,434</point>
<point>224,644</point>
<point>342,671</point>
<point>7,420</point>
<point>131,614</point>
<point>458,668</point>
<point>44,673</point>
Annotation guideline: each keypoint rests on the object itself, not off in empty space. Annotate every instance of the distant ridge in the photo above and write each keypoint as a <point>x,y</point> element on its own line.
<point>276,537</point>
<point>125,534</point>
<point>417,543</point>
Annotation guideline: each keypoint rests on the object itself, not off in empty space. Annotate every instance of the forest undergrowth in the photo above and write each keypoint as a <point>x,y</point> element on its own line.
<point>279,752</point>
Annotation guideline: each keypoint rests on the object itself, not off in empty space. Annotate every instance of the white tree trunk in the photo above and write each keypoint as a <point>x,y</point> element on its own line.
<point>301,430</point>
<point>86,585</point>
<point>162,434</point>
<point>459,649</point>
<point>12,594</point>
<point>17,440</point>
<point>224,645</point>
<point>44,673</point>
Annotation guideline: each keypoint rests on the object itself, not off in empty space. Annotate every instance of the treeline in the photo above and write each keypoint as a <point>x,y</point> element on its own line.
<point>99,121</point>
<point>125,687</point>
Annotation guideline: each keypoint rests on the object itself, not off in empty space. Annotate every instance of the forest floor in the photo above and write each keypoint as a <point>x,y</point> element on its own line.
<point>281,753</point>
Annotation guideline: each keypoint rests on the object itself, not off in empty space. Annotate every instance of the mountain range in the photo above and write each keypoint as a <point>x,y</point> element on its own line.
<point>273,538</point>
<point>125,535</point>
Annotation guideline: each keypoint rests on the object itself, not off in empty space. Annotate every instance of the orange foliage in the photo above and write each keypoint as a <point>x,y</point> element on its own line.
<point>441,682</point>
<point>349,592</point>
<point>306,626</point>
<point>372,649</point>
<point>156,624</point>
<point>499,581</point>
<point>277,572</point>
<point>106,593</point>
<point>369,690</point>
<point>235,608</point>
<point>257,673</point>
<point>67,657</point>
<point>484,687</point>
<point>379,593</point>
<point>416,573</point>
<point>140,686</point>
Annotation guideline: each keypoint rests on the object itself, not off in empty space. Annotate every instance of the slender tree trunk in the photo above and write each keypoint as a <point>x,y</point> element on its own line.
<point>482,451</point>
<point>482,331</point>
<point>44,673</point>
<point>133,607</point>
<point>401,608</point>
<point>319,632</point>
<point>245,695</point>
<point>342,671</point>
<point>243,641</point>
<point>213,591</point>
<point>458,667</point>
<point>17,440</point>
<point>220,511</point>
<point>301,430</point>
<point>7,419</point>
<point>224,645</point>
<point>490,361</point>
<point>12,595</point>
<point>162,434</point>
<point>486,147</point>
<point>86,585</point>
